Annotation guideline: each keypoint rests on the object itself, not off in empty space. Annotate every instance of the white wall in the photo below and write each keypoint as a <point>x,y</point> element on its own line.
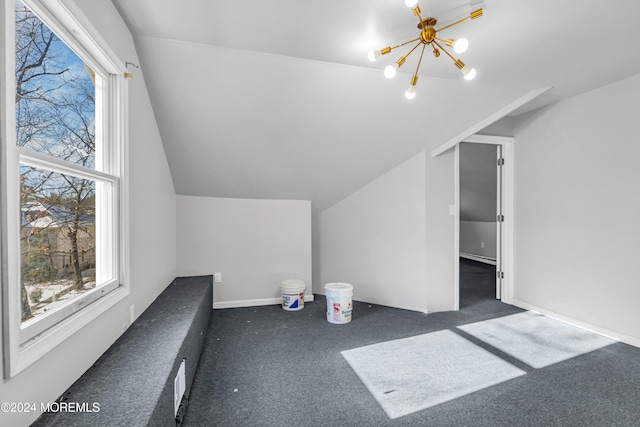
<point>503,127</point>
<point>255,244</point>
<point>375,239</point>
<point>478,238</point>
<point>577,208</point>
<point>441,264</point>
<point>152,231</point>
<point>478,182</point>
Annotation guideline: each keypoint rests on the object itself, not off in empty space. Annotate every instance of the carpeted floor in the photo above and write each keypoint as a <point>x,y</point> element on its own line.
<point>535,339</point>
<point>415,373</point>
<point>263,366</point>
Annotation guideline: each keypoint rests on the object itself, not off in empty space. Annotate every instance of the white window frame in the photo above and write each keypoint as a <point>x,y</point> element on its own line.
<point>24,343</point>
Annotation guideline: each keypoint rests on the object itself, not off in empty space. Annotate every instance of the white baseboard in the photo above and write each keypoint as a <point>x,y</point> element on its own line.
<point>253,302</point>
<point>479,258</point>
<point>578,323</point>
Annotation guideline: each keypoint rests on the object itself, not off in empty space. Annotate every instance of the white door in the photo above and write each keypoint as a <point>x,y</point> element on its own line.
<point>504,216</point>
<point>499,223</point>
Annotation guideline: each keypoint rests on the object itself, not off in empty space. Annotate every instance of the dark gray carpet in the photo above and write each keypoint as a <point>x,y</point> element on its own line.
<point>477,282</point>
<point>263,366</point>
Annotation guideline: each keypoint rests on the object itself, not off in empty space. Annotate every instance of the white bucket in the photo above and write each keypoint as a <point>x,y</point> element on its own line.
<point>292,294</point>
<point>339,304</point>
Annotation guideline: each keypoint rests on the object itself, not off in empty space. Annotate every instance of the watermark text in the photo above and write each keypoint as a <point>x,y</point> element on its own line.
<point>21,407</point>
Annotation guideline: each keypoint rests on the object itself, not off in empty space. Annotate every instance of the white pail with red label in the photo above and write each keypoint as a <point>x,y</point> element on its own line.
<point>339,302</point>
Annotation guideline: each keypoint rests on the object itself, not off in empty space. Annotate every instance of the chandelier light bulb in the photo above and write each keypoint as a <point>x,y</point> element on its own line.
<point>461,45</point>
<point>390,71</point>
<point>468,73</point>
<point>373,55</point>
<point>411,92</point>
<point>411,3</point>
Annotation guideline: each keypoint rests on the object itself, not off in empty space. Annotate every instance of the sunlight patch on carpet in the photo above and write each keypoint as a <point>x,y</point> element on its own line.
<point>411,374</point>
<point>536,340</point>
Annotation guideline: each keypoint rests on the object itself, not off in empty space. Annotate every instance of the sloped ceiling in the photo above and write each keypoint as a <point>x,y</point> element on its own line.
<point>276,99</point>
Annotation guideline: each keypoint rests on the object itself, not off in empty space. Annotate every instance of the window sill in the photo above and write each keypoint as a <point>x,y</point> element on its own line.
<point>34,349</point>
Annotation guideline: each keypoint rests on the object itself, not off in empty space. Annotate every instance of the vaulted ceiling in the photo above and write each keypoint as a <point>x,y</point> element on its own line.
<point>276,98</point>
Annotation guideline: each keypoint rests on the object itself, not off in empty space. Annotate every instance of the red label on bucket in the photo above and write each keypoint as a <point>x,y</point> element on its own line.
<point>339,305</point>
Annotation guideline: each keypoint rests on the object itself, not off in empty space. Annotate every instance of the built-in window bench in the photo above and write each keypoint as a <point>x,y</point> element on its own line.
<point>133,381</point>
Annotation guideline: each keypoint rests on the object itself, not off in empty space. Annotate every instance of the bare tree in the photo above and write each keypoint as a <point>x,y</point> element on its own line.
<point>55,110</point>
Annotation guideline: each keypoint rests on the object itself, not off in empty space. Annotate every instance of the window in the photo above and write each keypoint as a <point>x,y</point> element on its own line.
<point>62,170</point>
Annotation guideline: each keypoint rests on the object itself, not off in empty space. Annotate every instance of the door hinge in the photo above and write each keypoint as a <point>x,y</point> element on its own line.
<point>500,218</point>
<point>501,161</point>
<point>500,275</point>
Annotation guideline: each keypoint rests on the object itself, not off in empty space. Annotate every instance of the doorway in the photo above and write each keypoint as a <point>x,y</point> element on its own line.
<point>483,229</point>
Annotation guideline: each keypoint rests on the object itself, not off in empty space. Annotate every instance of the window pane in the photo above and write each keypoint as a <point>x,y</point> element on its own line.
<point>55,94</point>
<point>57,239</point>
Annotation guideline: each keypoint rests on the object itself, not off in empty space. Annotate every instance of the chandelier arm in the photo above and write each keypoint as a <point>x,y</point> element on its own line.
<point>473,15</point>
<point>444,50</point>
<point>405,43</point>
<point>420,60</point>
<point>412,49</point>
<point>452,24</point>
<point>417,13</point>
